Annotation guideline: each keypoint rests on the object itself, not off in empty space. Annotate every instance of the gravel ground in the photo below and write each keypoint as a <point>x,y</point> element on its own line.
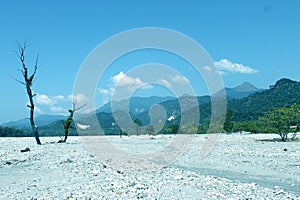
<point>249,158</point>
<point>238,167</point>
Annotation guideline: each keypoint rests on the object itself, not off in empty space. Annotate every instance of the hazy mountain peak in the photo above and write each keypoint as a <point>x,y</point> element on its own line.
<point>245,87</point>
<point>238,92</point>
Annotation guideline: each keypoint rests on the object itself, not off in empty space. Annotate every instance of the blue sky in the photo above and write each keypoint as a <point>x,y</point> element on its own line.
<point>256,41</point>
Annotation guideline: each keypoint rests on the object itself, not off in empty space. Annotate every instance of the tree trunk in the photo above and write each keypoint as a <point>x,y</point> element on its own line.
<point>33,126</point>
<point>67,125</point>
<point>283,137</point>
<point>66,135</point>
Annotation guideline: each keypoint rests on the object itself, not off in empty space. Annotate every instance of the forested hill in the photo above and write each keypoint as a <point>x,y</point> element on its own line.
<point>284,93</point>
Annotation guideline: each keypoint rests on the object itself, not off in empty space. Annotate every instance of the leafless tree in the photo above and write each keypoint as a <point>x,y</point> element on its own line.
<point>28,80</point>
<point>69,120</point>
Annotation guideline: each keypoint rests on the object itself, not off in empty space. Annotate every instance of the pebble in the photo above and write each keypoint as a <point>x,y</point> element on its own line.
<point>279,192</point>
<point>179,177</point>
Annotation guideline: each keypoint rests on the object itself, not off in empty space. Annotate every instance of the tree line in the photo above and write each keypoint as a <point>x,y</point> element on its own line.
<point>279,120</point>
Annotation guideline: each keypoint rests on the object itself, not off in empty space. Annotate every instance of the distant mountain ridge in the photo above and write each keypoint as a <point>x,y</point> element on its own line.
<point>238,92</point>
<point>136,104</point>
<point>41,120</point>
<point>139,106</point>
<point>255,103</point>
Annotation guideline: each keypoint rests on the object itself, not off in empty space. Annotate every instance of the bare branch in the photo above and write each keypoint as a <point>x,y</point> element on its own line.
<point>35,66</point>
<point>18,80</point>
<point>73,105</point>
<point>30,80</point>
<point>80,107</point>
<point>21,52</point>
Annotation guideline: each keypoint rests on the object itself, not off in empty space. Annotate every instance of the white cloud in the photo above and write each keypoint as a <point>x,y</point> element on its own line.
<point>59,98</point>
<point>38,110</point>
<point>226,65</point>
<point>106,94</point>
<point>122,80</point>
<point>57,109</point>
<point>207,68</point>
<point>104,91</point>
<point>42,99</point>
<point>58,104</point>
<point>211,70</point>
<point>122,84</point>
<point>165,83</point>
<point>78,98</point>
<point>81,100</point>
<point>180,79</point>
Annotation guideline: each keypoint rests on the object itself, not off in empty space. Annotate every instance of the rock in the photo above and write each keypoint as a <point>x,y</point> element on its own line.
<point>278,192</point>
<point>8,163</point>
<point>132,184</point>
<point>178,177</point>
<point>66,161</point>
<point>139,186</point>
<point>141,195</point>
<point>25,150</point>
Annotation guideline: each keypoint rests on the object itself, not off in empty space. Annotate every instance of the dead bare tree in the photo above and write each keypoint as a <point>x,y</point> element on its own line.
<point>68,122</point>
<point>28,80</point>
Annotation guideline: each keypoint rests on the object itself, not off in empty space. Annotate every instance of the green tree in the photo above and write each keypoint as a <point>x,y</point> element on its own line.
<point>172,129</point>
<point>150,130</point>
<point>68,122</point>
<point>138,124</point>
<point>188,129</point>
<point>283,119</point>
<point>228,124</point>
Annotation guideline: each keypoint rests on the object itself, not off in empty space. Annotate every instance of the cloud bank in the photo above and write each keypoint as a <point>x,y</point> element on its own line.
<point>58,104</point>
<point>224,66</point>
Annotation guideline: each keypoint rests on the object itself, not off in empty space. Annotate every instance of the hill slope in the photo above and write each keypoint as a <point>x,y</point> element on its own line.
<point>284,93</point>
<point>41,120</point>
<point>136,104</point>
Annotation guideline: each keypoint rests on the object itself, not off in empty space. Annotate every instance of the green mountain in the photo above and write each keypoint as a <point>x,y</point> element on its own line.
<point>284,93</point>
<point>41,120</point>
